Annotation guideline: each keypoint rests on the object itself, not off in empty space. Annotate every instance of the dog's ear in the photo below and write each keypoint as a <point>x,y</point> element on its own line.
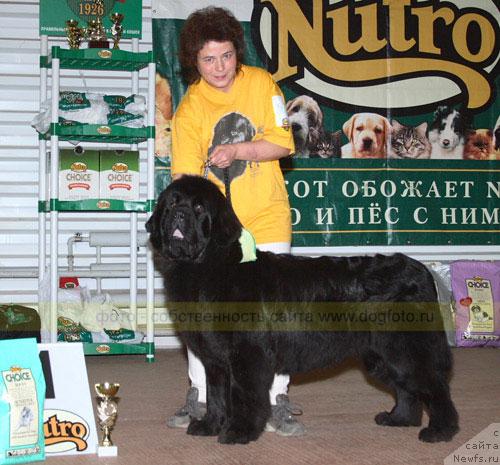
<point>313,137</point>
<point>348,125</point>
<point>289,104</point>
<point>226,227</point>
<point>387,127</point>
<point>153,225</point>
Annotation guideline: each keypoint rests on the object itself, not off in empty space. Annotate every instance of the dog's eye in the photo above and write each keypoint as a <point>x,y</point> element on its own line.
<point>378,131</point>
<point>198,208</point>
<point>294,109</point>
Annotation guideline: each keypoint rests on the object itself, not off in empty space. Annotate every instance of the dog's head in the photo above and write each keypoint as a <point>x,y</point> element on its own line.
<point>193,222</point>
<point>367,132</point>
<point>449,127</point>
<point>306,120</point>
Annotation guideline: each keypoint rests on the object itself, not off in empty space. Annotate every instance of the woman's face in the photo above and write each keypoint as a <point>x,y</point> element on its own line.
<point>217,64</point>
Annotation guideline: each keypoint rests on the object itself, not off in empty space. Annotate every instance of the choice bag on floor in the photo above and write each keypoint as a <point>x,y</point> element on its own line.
<point>22,395</point>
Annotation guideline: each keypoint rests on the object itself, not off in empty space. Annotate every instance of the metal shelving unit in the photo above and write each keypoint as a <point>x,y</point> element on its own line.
<point>49,208</point>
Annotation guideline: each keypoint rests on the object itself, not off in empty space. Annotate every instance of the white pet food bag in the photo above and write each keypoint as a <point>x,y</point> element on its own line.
<point>22,395</point>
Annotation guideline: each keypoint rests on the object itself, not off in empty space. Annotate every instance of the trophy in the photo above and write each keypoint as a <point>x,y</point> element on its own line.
<point>75,34</point>
<point>95,31</point>
<point>117,28</point>
<point>107,411</point>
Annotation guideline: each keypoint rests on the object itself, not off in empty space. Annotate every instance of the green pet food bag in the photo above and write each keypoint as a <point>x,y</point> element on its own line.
<point>22,395</point>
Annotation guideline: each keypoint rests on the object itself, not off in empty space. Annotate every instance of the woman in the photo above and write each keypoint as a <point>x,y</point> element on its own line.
<point>233,116</point>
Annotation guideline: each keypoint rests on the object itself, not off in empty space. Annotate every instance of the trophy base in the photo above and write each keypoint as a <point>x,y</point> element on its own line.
<point>98,44</point>
<point>107,451</point>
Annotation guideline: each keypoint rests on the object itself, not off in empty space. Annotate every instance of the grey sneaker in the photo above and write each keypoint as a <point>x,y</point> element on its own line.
<point>192,409</point>
<point>282,421</point>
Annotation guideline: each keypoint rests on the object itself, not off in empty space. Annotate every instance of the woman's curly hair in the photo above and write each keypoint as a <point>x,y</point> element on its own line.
<point>201,26</point>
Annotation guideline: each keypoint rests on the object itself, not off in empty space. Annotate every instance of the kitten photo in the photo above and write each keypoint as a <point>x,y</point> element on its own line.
<point>479,145</point>
<point>408,141</point>
<point>327,145</point>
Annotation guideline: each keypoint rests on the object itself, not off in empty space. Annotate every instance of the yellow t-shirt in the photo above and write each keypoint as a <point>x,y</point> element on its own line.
<point>253,109</point>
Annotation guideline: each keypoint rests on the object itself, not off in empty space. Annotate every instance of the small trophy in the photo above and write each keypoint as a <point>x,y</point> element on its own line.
<point>107,411</point>
<point>95,31</point>
<point>117,28</point>
<point>75,34</point>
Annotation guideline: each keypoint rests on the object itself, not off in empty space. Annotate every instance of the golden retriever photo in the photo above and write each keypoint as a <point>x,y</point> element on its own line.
<point>367,134</point>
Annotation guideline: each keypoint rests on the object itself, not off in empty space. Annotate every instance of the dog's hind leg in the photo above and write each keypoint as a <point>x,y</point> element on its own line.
<point>443,417</point>
<point>217,391</point>
<point>250,408</point>
<point>406,412</point>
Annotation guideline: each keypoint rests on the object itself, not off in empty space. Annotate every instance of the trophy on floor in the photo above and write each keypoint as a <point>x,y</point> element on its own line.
<point>96,33</point>
<point>75,34</point>
<point>117,28</point>
<point>107,411</point>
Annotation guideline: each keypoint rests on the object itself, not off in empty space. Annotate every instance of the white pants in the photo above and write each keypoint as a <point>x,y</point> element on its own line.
<point>196,371</point>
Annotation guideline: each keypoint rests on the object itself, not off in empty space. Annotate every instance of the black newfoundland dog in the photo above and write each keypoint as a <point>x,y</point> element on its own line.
<point>286,314</point>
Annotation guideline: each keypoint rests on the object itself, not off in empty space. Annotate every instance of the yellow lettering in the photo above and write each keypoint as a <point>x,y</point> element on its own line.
<point>426,19</point>
<point>460,37</point>
<point>368,40</point>
<point>309,39</point>
<point>397,28</point>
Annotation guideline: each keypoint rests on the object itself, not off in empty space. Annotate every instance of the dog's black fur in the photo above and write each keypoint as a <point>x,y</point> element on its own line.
<point>194,233</point>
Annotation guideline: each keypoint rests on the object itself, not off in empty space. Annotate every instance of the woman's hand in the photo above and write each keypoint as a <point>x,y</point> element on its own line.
<point>255,151</point>
<point>223,155</point>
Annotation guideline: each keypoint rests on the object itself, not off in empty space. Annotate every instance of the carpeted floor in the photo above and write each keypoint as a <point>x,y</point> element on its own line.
<point>339,407</point>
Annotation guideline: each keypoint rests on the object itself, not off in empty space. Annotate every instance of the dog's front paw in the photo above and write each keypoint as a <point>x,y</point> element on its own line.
<point>203,427</point>
<point>238,435</point>
<point>430,434</point>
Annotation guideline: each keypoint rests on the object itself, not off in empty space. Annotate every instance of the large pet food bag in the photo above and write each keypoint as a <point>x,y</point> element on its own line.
<point>22,395</point>
<point>119,177</point>
<point>78,174</point>
<point>476,295</point>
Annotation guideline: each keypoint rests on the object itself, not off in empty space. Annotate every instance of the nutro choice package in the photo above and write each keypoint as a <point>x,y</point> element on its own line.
<point>78,174</point>
<point>119,175</point>
<point>22,395</point>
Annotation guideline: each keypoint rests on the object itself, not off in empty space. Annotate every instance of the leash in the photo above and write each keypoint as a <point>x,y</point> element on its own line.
<point>227,182</point>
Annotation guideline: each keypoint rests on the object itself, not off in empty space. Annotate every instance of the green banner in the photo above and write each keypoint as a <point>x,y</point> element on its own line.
<point>393,202</point>
<point>55,13</point>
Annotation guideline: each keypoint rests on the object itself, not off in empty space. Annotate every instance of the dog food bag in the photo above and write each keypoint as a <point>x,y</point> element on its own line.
<point>119,175</point>
<point>78,174</point>
<point>135,104</point>
<point>476,295</point>
<point>22,395</point>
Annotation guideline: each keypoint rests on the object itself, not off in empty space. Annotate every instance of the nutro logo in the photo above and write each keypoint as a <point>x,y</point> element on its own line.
<point>357,54</point>
<point>64,431</point>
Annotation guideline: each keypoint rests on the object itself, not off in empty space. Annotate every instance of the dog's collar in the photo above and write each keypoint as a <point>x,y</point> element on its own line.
<point>248,247</point>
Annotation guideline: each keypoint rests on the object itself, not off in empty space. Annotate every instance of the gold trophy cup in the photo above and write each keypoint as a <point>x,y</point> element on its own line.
<point>75,34</point>
<point>107,411</point>
<point>117,28</point>
<point>95,31</point>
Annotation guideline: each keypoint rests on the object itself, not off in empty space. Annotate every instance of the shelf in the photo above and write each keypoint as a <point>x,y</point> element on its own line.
<point>95,205</point>
<point>115,348</point>
<point>100,60</point>
<point>97,58</point>
<point>100,133</point>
